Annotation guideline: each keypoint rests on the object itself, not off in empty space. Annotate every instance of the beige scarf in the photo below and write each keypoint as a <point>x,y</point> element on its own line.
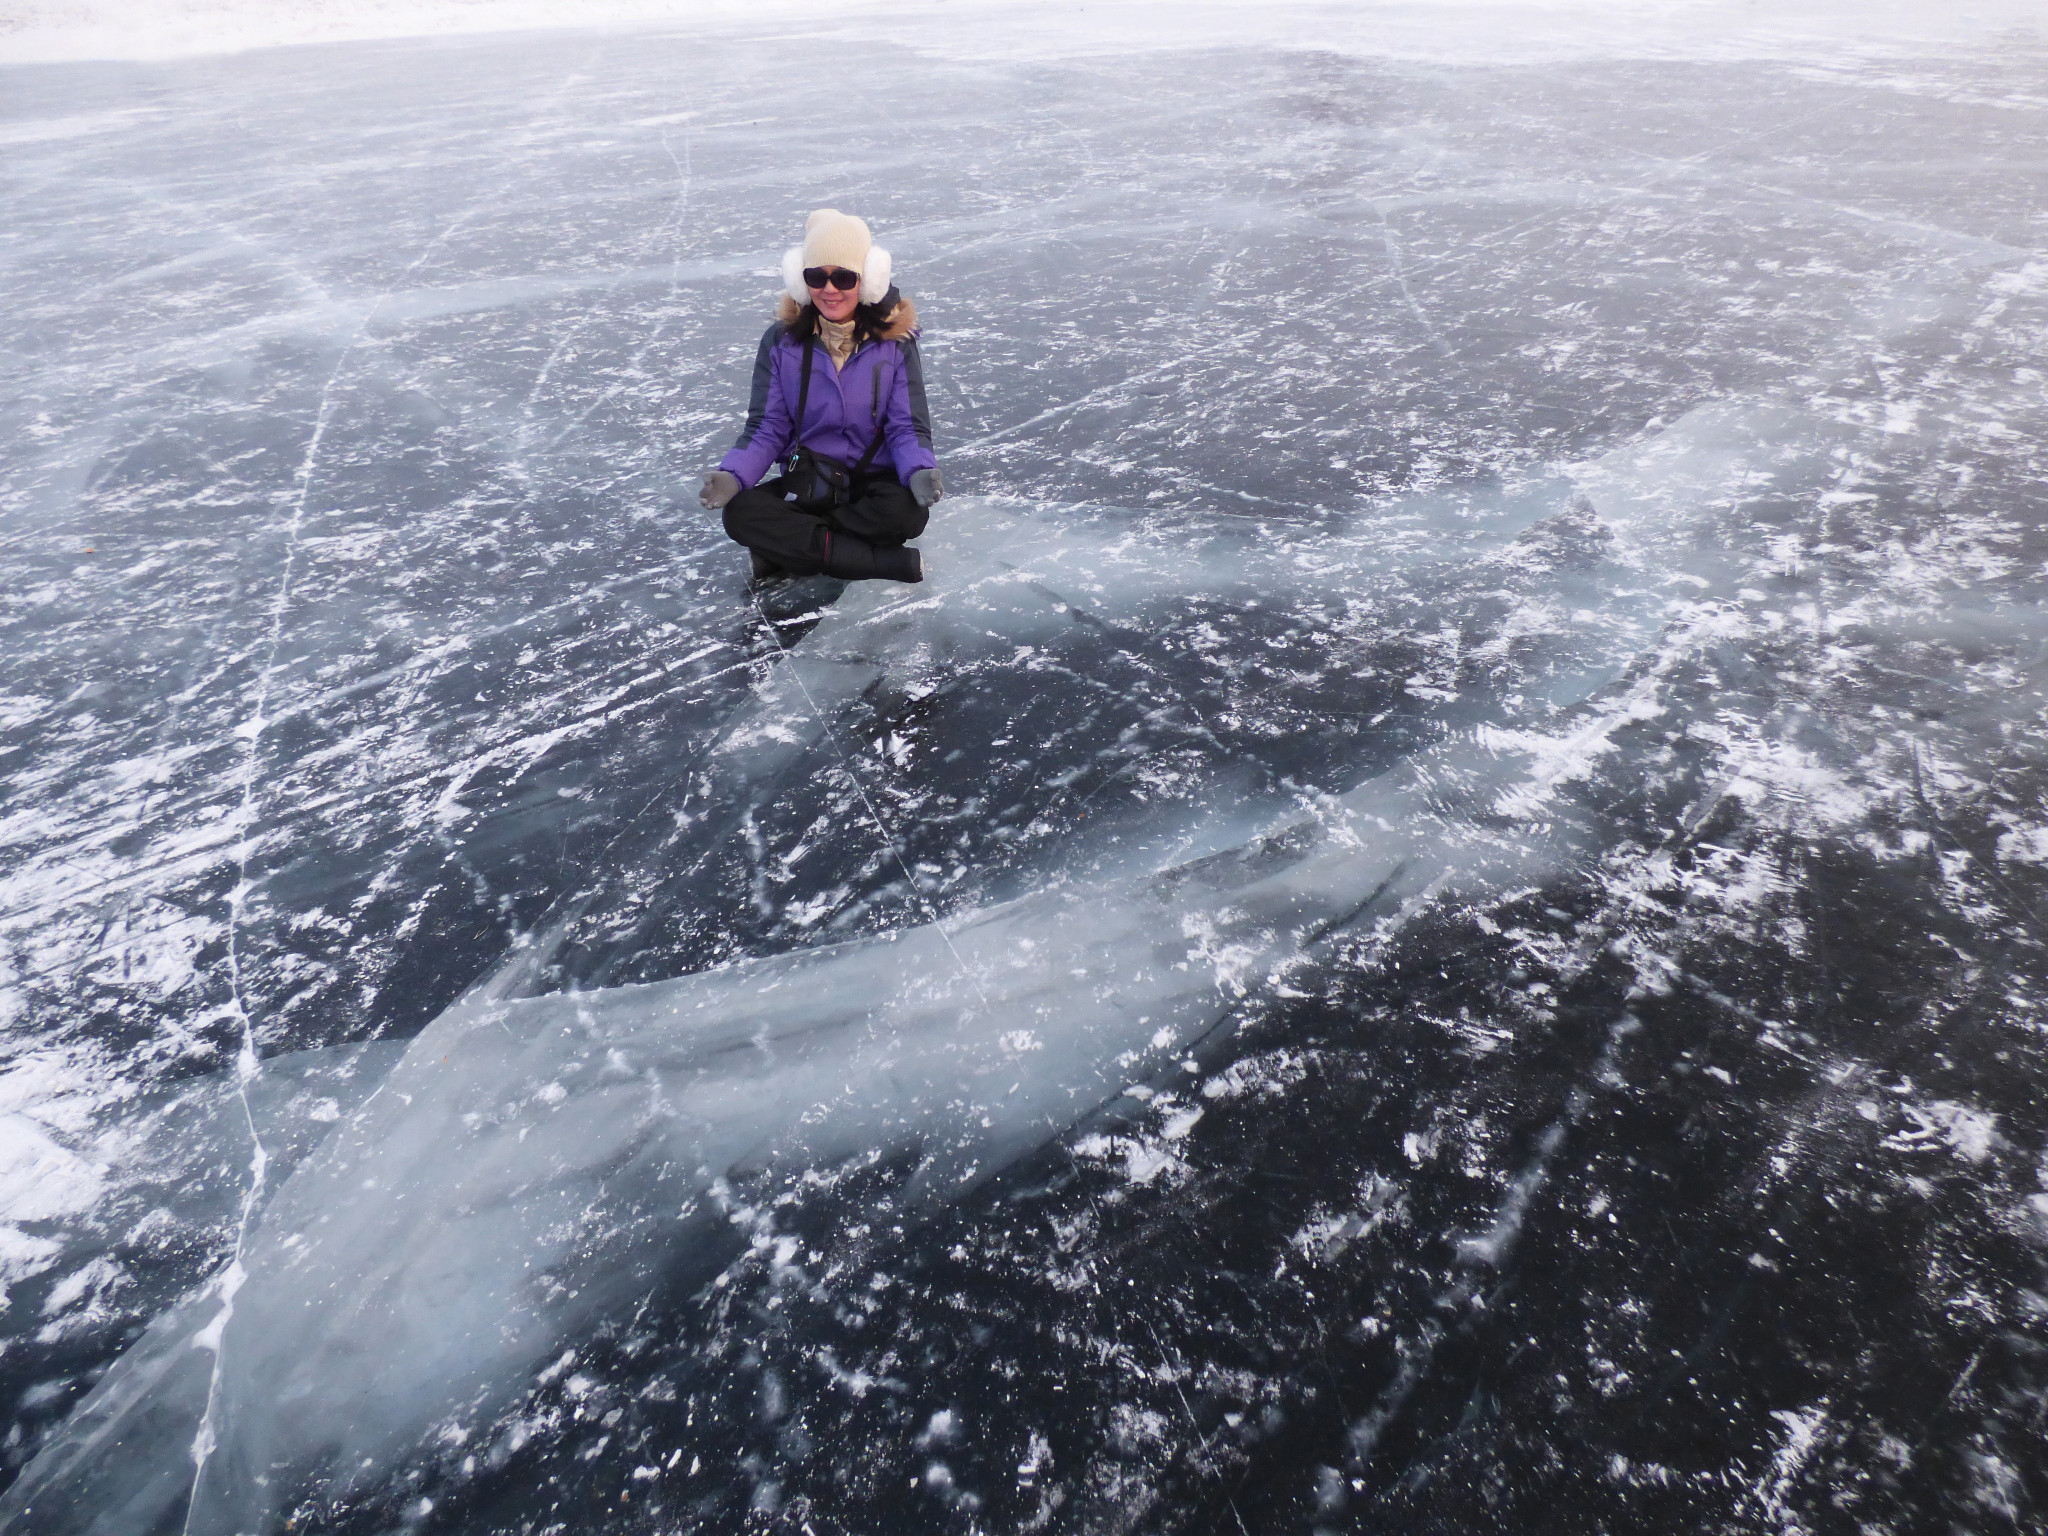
<point>838,338</point>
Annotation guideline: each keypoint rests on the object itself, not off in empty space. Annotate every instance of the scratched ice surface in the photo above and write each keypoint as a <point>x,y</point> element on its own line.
<point>1432,921</point>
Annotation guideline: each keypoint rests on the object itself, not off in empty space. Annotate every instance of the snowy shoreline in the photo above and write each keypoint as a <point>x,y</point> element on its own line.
<point>1471,31</point>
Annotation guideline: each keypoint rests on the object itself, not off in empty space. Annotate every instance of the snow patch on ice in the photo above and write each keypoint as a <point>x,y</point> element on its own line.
<point>1269,1075</point>
<point>1971,1134</point>
<point>1802,1435</point>
<point>1558,759</point>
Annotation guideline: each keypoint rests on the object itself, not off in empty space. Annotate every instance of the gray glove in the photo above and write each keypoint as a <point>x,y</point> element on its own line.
<point>926,486</point>
<point>720,486</point>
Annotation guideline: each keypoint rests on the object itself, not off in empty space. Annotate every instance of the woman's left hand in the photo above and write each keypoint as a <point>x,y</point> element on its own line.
<point>720,486</point>
<point>926,486</point>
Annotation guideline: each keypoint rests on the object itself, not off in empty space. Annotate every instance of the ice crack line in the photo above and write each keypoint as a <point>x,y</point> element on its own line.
<point>881,827</point>
<point>674,228</point>
<point>678,221</point>
<point>1484,1251</point>
<point>248,1065</point>
<point>1401,278</point>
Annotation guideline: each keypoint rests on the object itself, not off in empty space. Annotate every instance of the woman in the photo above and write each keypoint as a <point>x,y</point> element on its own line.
<point>839,406</point>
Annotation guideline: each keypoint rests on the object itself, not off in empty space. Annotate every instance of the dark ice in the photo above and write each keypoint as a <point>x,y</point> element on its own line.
<point>1432,919</point>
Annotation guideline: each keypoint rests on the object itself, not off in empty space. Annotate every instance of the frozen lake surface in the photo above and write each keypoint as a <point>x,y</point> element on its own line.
<point>1433,919</point>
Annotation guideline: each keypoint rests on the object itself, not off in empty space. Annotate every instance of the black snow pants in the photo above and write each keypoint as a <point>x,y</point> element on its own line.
<point>880,511</point>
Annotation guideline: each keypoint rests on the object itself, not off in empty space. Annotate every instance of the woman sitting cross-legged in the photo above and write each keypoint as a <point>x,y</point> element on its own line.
<point>839,406</point>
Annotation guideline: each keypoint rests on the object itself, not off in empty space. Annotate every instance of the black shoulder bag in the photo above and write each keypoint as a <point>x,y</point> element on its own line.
<point>816,482</point>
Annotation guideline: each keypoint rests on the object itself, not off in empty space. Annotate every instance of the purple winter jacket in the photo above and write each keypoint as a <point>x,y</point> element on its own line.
<point>881,386</point>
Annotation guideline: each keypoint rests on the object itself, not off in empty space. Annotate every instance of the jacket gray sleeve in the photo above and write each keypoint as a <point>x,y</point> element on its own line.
<point>920,412</point>
<point>764,373</point>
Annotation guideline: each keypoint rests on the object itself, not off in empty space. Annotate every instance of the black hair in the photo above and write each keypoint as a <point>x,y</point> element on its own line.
<point>869,320</point>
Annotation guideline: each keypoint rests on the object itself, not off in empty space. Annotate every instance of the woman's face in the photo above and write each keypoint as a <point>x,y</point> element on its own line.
<point>835,303</point>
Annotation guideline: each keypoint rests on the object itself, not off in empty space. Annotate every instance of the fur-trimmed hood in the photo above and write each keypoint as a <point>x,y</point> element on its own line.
<point>895,316</point>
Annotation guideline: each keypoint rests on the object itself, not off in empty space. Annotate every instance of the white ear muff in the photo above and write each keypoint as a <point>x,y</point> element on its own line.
<point>793,274</point>
<point>874,278</point>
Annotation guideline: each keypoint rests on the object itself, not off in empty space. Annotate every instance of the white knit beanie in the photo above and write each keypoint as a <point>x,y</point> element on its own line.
<point>835,239</point>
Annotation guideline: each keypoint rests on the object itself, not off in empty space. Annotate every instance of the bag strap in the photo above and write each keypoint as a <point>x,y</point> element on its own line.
<point>803,398</point>
<point>803,395</point>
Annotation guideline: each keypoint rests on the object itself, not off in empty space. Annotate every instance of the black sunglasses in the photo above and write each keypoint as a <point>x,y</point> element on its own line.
<point>838,277</point>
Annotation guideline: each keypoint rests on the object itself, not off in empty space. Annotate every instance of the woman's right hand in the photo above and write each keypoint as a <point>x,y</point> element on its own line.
<point>720,486</point>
